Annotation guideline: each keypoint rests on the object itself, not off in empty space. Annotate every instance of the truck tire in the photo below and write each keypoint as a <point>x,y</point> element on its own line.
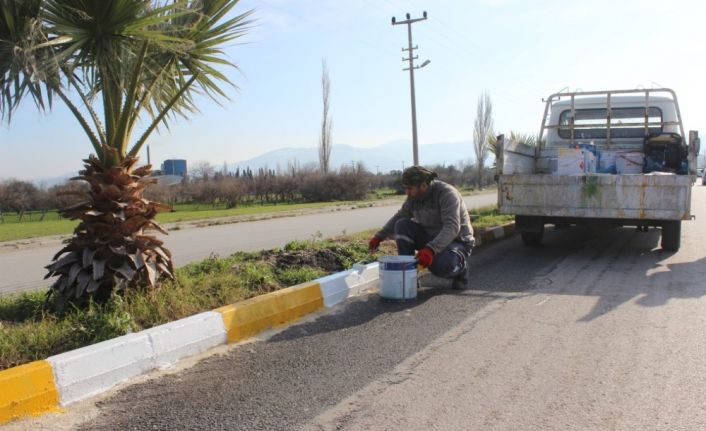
<point>671,235</point>
<point>532,239</point>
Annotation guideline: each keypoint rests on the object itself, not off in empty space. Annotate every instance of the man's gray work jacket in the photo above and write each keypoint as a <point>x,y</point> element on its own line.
<point>441,212</point>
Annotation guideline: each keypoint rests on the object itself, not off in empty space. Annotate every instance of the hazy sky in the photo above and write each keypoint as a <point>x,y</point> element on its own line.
<point>517,51</point>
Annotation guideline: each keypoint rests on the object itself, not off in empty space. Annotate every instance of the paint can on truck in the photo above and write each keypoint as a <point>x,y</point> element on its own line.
<point>398,278</point>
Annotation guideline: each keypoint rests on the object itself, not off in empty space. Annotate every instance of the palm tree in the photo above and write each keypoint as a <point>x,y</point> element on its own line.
<point>114,63</point>
<point>515,137</point>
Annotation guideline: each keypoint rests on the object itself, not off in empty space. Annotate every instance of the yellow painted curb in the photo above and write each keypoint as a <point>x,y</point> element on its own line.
<point>250,317</point>
<point>28,389</point>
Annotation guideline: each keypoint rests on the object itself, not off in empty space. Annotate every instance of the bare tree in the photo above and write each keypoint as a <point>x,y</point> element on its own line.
<point>20,196</point>
<point>202,170</point>
<point>326,122</point>
<point>482,130</point>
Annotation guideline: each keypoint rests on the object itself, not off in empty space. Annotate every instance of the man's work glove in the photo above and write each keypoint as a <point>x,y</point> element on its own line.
<point>425,256</point>
<point>374,244</point>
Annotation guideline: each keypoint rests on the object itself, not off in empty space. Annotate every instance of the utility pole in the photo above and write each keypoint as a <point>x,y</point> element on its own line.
<point>410,51</point>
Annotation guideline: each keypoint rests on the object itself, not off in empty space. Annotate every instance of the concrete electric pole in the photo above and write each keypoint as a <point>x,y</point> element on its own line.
<point>410,51</point>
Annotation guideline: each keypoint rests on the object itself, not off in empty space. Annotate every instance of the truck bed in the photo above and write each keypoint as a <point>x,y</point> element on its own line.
<point>604,196</point>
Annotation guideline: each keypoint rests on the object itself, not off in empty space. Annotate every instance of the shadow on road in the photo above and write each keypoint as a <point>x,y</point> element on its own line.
<point>656,287</point>
<point>616,267</point>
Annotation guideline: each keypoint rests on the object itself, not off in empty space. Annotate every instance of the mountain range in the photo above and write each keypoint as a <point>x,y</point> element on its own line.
<point>394,155</point>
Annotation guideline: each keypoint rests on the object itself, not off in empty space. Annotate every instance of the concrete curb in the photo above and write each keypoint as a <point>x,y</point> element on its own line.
<point>46,386</point>
<point>489,235</point>
<point>27,389</point>
<point>250,317</point>
<point>93,369</point>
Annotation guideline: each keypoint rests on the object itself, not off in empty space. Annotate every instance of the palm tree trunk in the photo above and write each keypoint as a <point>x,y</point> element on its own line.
<point>110,250</point>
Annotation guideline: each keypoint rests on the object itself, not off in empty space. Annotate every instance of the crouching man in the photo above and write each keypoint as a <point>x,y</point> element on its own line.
<point>434,223</point>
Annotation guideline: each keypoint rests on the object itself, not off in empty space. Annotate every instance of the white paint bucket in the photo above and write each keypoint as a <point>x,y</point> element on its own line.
<point>398,278</point>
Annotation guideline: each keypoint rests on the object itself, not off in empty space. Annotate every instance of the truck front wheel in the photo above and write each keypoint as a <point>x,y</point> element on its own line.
<point>671,235</point>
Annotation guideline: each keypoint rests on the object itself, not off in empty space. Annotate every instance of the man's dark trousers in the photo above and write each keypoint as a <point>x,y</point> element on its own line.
<point>450,262</point>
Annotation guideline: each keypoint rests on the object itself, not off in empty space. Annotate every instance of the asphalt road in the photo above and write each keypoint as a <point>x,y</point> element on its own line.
<point>584,332</point>
<point>23,268</point>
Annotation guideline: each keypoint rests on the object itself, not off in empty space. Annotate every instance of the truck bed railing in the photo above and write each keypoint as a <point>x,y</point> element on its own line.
<point>607,124</point>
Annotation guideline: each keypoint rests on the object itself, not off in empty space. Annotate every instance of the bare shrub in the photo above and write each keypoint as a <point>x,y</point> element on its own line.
<point>332,187</point>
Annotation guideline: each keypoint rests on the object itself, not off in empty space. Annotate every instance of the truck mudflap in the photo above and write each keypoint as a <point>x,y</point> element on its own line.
<point>603,196</point>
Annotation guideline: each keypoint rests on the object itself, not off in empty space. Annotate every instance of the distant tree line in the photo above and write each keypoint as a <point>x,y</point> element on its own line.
<point>206,186</point>
<point>24,198</point>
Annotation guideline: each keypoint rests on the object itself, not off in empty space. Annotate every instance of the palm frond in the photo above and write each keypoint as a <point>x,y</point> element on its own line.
<point>23,62</point>
<point>143,57</point>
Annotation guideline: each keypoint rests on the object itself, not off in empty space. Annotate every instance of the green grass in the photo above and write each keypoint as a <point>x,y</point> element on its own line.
<point>12,229</point>
<point>488,216</point>
<point>29,332</point>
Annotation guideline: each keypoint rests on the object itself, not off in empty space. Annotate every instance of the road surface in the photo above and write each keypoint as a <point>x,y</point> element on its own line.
<point>584,332</point>
<point>23,268</point>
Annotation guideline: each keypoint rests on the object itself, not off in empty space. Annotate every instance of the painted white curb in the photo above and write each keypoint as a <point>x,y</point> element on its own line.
<point>338,287</point>
<point>93,369</point>
<point>334,288</point>
<point>366,276</point>
<point>498,232</point>
<point>185,337</point>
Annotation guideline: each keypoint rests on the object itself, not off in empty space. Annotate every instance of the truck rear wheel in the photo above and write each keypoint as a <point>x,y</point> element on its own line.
<point>532,239</point>
<point>671,235</point>
<point>531,228</point>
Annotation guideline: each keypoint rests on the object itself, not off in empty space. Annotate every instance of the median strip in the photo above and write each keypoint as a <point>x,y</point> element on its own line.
<point>43,386</point>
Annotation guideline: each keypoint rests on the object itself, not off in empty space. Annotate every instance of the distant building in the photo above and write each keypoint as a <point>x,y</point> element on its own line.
<point>174,167</point>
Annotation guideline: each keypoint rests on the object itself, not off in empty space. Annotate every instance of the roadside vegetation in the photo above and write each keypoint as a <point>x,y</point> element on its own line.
<point>488,216</point>
<point>29,211</point>
<point>29,331</point>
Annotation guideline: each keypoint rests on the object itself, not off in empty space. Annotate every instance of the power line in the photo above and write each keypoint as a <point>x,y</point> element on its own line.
<point>411,57</point>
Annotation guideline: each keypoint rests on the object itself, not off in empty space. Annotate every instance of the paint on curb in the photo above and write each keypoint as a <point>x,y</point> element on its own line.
<point>248,318</point>
<point>487,236</point>
<point>185,337</point>
<point>27,389</point>
<point>337,287</point>
<point>96,368</point>
<point>30,389</point>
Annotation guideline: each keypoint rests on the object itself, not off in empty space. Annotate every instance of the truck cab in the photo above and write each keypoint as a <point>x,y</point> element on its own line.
<point>603,158</point>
